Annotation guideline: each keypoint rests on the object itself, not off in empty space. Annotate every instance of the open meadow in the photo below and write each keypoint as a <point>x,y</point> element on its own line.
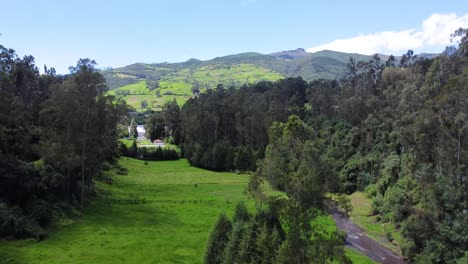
<point>155,214</point>
<point>162,212</point>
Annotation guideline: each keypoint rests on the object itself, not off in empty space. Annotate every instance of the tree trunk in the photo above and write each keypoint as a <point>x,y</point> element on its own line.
<point>83,152</point>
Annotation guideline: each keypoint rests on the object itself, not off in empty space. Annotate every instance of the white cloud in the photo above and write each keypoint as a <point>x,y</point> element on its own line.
<point>434,33</point>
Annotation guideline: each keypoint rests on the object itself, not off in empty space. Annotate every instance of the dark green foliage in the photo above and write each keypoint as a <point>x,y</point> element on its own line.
<point>121,170</point>
<point>165,124</point>
<point>56,132</point>
<point>148,153</point>
<point>41,211</point>
<point>218,240</point>
<point>14,222</point>
<point>241,214</point>
<point>81,122</point>
<point>232,251</point>
<point>262,238</point>
<point>234,122</point>
<point>294,164</point>
<point>220,156</point>
<point>243,159</point>
<point>160,154</point>
<point>267,244</point>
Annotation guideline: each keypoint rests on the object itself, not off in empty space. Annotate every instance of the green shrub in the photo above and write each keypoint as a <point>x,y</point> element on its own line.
<point>14,223</point>
<point>106,166</point>
<point>42,212</point>
<point>121,170</point>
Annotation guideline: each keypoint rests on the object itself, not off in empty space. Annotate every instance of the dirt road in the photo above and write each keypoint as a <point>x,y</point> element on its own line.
<point>357,239</point>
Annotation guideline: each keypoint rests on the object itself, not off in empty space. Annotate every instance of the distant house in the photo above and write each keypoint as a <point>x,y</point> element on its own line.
<point>159,143</point>
<point>141,131</point>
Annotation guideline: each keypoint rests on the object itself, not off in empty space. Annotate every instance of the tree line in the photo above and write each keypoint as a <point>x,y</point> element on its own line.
<point>56,134</point>
<point>227,129</point>
<point>148,153</point>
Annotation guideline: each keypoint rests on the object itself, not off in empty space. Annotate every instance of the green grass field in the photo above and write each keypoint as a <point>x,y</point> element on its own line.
<point>128,142</point>
<point>155,214</point>
<point>212,75</point>
<point>357,257</point>
<point>168,92</point>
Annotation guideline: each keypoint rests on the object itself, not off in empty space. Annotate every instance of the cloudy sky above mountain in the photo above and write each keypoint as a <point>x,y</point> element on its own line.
<point>433,35</point>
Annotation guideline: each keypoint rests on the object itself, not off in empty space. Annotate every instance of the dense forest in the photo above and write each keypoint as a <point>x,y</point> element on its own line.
<point>397,130</point>
<point>56,134</point>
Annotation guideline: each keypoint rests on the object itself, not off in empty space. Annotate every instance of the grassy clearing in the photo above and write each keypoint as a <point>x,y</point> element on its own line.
<point>139,92</point>
<point>361,215</point>
<point>128,142</point>
<point>178,88</point>
<point>357,257</point>
<point>154,214</point>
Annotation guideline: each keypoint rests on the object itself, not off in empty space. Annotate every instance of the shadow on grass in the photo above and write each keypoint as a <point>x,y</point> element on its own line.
<point>10,255</point>
<point>126,213</point>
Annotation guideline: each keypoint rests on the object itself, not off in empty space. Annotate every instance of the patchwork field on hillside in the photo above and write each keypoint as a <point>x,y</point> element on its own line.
<point>178,84</point>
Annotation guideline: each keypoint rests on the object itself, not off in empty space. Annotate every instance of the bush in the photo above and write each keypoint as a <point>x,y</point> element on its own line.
<point>121,170</point>
<point>106,166</point>
<point>344,203</point>
<point>42,212</point>
<point>14,223</point>
<point>377,203</point>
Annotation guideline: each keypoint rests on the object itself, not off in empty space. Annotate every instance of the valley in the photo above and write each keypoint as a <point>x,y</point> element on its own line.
<point>191,132</point>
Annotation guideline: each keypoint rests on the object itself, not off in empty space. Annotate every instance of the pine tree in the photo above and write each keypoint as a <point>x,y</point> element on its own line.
<point>231,252</point>
<point>219,237</point>
<point>247,250</point>
<point>133,129</point>
<point>241,213</point>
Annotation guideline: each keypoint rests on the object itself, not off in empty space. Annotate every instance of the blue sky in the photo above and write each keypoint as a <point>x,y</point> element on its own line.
<point>118,33</point>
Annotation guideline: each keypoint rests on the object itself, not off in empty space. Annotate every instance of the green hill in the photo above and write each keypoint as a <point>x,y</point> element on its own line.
<point>158,83</point>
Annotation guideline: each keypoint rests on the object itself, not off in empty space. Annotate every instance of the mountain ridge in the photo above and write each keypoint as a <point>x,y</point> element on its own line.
<point>154,84</point>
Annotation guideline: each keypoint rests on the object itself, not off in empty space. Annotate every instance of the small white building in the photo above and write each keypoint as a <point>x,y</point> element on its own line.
<point>141,131</point>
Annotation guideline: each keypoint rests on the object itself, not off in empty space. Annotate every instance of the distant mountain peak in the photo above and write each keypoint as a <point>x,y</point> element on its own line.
<point>193,60</point>
<point>291,54</point>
